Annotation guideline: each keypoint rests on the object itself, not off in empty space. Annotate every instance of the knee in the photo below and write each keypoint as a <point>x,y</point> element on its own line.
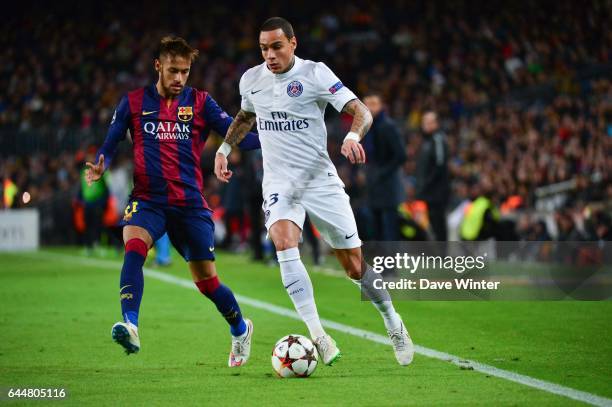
<point>202,269</point>
<point>284,243</point>
<point>353,271</point>
<point>285,235</point>
<point>131,232</point>
<point>353,267</point>
<point>352,262</point>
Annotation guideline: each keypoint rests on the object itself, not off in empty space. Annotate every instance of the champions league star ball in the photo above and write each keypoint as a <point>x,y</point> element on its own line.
<point>294,356</point>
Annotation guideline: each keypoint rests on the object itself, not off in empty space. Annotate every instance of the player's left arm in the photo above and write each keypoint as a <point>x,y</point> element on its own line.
<point>362,120</point>
<point>331,90</point>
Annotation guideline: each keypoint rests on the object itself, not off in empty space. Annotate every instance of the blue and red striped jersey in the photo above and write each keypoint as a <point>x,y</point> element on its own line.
<point>168,142</point>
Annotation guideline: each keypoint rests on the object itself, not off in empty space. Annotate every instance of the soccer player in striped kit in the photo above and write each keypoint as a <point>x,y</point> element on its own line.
<point>169,123</point>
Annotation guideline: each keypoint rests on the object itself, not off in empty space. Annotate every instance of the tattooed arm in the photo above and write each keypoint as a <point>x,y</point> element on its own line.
<point>237,131</point>
<point>242,124</point>
<point>362,120</point>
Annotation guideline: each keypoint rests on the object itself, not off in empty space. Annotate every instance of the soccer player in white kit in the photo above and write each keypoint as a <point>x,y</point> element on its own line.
<point>286,97</point>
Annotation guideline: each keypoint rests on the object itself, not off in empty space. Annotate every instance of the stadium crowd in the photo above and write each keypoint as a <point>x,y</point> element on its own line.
<point>524,94</point>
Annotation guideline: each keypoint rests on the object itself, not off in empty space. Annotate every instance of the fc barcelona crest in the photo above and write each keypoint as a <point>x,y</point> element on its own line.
<point>185,113</point>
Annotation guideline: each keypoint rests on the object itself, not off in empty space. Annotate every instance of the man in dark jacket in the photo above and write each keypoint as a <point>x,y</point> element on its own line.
<point>386,152</point>
<point>432,178</point>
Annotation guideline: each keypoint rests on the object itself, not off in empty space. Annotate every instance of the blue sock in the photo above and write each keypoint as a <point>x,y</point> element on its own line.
<point>132,281</point>
<point>226,303</point>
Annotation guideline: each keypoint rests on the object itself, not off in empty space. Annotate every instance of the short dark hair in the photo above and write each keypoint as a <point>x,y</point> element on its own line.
<point>274,23</point>
<point>177,46</point>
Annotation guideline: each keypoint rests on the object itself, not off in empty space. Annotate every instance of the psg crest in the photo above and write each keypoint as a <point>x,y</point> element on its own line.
<point>294,89</point>
<point>185,113</point>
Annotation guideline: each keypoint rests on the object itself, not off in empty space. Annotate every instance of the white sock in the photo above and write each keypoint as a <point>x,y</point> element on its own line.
<point>299,287</point>
<point>380,298</point>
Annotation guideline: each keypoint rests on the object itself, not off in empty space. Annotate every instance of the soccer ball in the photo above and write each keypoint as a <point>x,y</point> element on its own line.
<point>294,356</point>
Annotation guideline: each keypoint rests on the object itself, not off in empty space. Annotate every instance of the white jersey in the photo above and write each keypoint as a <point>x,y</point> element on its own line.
<point>290,109</point>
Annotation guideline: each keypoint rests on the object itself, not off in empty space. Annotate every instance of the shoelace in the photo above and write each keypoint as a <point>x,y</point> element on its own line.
<point>237,347</point>
<point>399,340</point>
<point>322,345</point>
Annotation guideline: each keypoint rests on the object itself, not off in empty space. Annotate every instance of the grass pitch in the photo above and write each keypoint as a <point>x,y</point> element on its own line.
<point>56,311</point>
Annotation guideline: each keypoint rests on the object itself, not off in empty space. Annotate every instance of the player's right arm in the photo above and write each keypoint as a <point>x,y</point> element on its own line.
<point>242,124</point>
<point>116,133</point>
<point>237,131</point>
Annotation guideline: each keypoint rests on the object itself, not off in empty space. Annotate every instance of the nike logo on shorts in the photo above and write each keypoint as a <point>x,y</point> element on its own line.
<point>255,91</point>
<point>211,248</point>
<point>289,285</point>
<point>349,236</point>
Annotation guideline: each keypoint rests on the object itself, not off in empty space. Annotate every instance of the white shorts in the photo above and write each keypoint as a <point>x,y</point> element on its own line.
<point>328,207</point>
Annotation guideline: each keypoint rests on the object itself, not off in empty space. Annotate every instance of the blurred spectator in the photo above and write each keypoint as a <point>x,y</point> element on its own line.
<point>413,218</point>
<point>311,236</point>
<point>9,191</point>
<point>232,200</point>
<point>94,198</point>
<point>481,218</point>
<point>432,177</point>
<point>385,153</point>
<point>162,251</point>
<point>601,226</point>
<point>254,178</point>
<point>524,93</point>
<point>531,230</point>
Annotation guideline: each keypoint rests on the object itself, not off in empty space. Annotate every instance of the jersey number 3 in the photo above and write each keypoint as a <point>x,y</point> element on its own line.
<point>273,199</point>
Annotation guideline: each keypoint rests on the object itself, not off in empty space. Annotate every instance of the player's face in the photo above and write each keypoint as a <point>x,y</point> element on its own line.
<point>173,74</point>
<point>277,50</point>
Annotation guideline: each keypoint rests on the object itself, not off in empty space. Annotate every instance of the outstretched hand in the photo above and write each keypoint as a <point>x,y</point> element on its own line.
<point>353,151</point>
<point>221,171</point>
<point>94,171</point>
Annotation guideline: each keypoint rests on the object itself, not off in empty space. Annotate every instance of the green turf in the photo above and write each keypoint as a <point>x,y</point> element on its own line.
<point>56,316</point>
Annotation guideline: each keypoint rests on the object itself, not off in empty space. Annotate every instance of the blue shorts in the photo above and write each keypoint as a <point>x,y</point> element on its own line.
<point>191,230</point>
